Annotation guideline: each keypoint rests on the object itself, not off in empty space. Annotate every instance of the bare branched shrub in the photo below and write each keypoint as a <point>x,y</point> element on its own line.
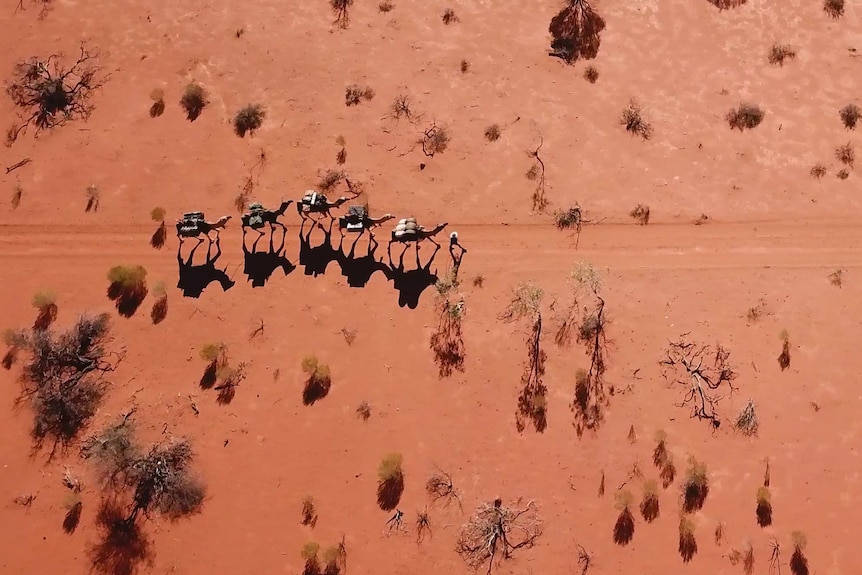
<point>423,525</point>
<point>160,306</point>
<point>45,303</point>
<point>341,9</point>
<point>63,377</point>
<point>318,382</point>
<point>390,481</point>
<point>536,173</point>
<point>784,356</point>
<point>745,117</point>
<point>309,513</point>
<point>330,179</point>
<point>526,303</point>
<point>850,115</point>
<point>440,487</point>
<point>632,118</point>
<point>495,532</point>
<point>194,100</point>
<point>695,488</point>
<point>248,120</point>
<point>747,421</point>
<point>834,8</point>
<point>492,133</point>
<point>845,154</point>
<point>127,288</point>
<point>798,561</point>
<point>158,106</point>
<point>576,32</point>
<point>778,53</point>
<point>650,504</point>
<point>363,411</point>
<point>449,17</point>
<point>818,171</point>
<point>402,107</point>
<point>640,214</point>
<point>49,94</point>
<point>764,507</point>
<point>355,94</point>
<point>435,140</point>
<point>624,528</point>
<point>707,376</point>
<point>591,74</point>
<point>687,542</point>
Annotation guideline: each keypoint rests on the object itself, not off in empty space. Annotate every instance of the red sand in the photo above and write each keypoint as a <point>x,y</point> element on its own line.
<point>773,233</point>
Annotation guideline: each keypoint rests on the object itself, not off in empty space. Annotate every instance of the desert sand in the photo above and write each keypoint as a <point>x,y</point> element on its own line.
<point>772,237</point>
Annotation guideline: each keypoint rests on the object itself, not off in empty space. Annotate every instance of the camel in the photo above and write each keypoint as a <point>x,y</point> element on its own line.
<point>315,203</point>
<point>258,216</point>
<point>194,224</point>
<point>358,220</point>
<point>408,231</point>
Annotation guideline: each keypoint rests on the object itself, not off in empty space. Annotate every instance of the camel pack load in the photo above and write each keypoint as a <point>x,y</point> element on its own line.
<point>190,226</point>
<point>313,201</point>
<point>354,221</point>
<point>405,229</point>
<point>255,219</point>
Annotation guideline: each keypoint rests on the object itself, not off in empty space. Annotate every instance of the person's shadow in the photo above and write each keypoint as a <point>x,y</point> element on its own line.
<point>316,259</point>
<point>195,278</point>
<point>260,265</point>
<point>411,283</point>
<point>358,270</point>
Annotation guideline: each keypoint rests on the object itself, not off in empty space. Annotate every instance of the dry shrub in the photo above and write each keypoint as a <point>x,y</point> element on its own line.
<point>687,542</point>
<point>850,115</point>
<point>570,218</point>
<point>449,17</point>
<point>845,154</point>
<point>842,174</point>
<point>836,278</point>
<point>695,487</point>
<point>319,380</point>
<point>385,6</point>
<point>341,9</point>
<point>650,504</point>
<point>390,481</point>
<point>330,179</point>
<point>497,531</point>
<point>834,8</point>
<point>727,4</point>
<point>92,199</point>
<point>248,120</point>
<point>798,561</point>
<point>576,31</point>
<point>747,421</point>
<point>312,562</point>
<point>160,306</point>
<point>355,94</point>
<point>634,122</point>
<point>73,515</point>
<point>193,101</point>
<point>591,74</point>
<point>764,507</point>
<point>492,133</point>
<point>640,214</point>
<point>215,354</point>
<point>363,411</point>
<point>17,194</point>
<point>158,106</point>
<point>45,303</point>
<point>465,66</point>
<point>309,514</point>
<point>748,560</point>
<point>745,117</point>
<point>778,53</point>
<point>128,288</point>
<point>784,357</point>
<point>818,171</point>
<point>624,528</point>
<point>441,487</point>
<point>435,140</point>
<point>161,233</point>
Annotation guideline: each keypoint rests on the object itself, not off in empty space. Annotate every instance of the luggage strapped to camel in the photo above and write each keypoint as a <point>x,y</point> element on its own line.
<point>406,230</point>
<point>191,224</point>
<point>354,221</point>
<point>313,202</point>
<point>255,218</point>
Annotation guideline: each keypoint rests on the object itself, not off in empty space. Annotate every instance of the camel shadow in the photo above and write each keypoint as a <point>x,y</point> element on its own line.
<point>260,265</point>
<point>316,259</point>
<point>411,283</point>
<point>359,270</point>
<point>194,279</point>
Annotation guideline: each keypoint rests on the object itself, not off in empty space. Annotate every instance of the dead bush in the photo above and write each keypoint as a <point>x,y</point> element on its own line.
<point>640,214</point>
<point>45,303</point>
<point>248,120</point>
<point>330,179</point>
<point>127,288</point>
<point>576,32</point>
<point>687,542</point>
<point>779,53</point>
<point>495,531</point>
<point>836,278</point>
<point>591,74</point>
<point>845,154</point>
<point>194,100</point>
<point>624,528</point>
<point>402,107</point>
<point>569,218</point>
<point>747,421</point>
<point>355,94</point>
<point>312,562</point>
<point>850,115</point>
<point>341,156</point>
<point>440,487</point>
<point>435,140</point>
<point>706,375</point>
<point>318,382</point>
<point>341,8</point>
<point>390,481</point>
<point>764,507</point>
<point>158,106</point>
<point>695,488</point>
<point>745,117</point>
<point>449,17</point>
<point>633,120</point>
<point>492,133</point>
<point>364,411</point>
<point>834,8</point>
<point>50,95</point>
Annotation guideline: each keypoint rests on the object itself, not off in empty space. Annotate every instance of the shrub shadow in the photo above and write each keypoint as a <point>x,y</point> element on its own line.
<point>389,492</point>
<point>123,547</point>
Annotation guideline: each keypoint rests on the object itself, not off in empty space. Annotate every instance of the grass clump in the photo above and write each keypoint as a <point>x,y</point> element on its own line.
<point>778,53</point>
<point>632,118</point>
<point>745,117</point>
<point>435,140</point>
<point>248,120</point>
<point>640,214</point>
<point>158,106</point>
<point>449,17</point>
<point>363,412</point>
<point>385,6</point>
<point>845,154</point>
<point>318,382</point>
<point>128,288</point>
<point>764,507</point>
<point>591,74</point>
<point>465,66</point>
<point>390,481</point>
<point>850,115</point>
<point>798,561</point>
<point>355,94</point>
<point>309,513</point>
<point>570,218</point>
<point>624,528</point>
<point>492,133</point>
<point>834,8</point>
<point>193,101</point>
<point>695,487</point>
<point>160,306</point>
<point>818,171</point>
<point>687,542</point>
<point>650,504</point>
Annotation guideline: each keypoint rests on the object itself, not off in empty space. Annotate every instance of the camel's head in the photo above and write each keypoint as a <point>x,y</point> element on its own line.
<point>224,220</point>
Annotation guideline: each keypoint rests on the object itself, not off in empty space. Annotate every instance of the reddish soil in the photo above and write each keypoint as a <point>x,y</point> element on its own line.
<point>774,234</point>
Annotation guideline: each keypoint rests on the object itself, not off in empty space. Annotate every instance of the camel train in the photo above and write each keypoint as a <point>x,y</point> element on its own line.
<point>314,206</point>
